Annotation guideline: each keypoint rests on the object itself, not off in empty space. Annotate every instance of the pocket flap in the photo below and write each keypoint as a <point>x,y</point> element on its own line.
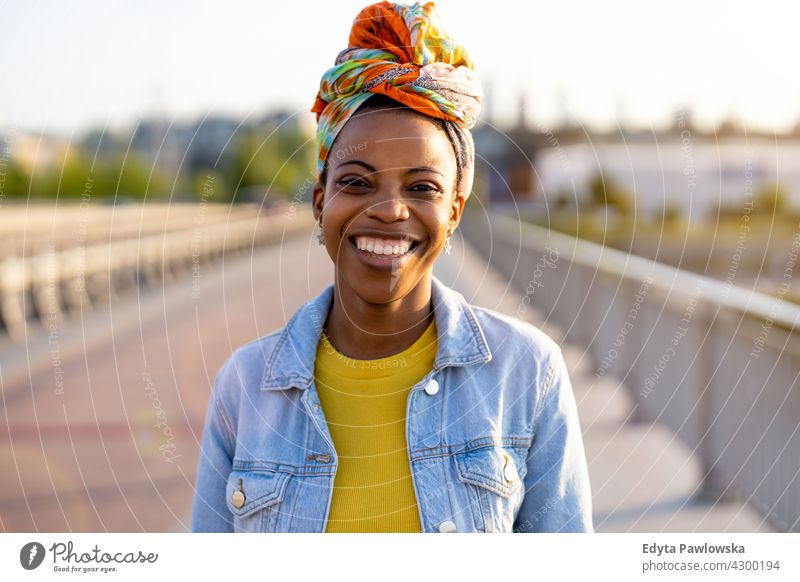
<point>260,489</point>
<point>493,468</point>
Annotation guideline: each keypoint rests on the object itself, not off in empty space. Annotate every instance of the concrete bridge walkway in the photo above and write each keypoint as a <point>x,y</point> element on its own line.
<point>79,449</point>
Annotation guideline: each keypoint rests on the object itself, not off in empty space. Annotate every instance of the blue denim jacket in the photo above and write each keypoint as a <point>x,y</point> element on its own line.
<point>496,448</point>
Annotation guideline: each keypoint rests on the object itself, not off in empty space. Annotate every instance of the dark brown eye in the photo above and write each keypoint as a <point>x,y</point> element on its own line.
<point>352,183</point>
<point>425,188</point>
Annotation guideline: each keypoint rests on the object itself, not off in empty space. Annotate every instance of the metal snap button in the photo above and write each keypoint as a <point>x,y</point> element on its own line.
<point>432,388</point>
<point>509,471</point>
<point>238,497</point>
<point>447,527</point>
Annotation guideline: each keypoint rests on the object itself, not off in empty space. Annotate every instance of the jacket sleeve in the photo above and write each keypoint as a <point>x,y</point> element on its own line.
<point>557,493</point>
<point>210,512</point>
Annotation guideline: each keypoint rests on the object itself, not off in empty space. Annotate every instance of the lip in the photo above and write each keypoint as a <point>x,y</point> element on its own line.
<point>385,262</point>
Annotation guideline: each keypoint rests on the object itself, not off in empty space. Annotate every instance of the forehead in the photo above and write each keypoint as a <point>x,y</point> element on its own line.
<point>391,138</point>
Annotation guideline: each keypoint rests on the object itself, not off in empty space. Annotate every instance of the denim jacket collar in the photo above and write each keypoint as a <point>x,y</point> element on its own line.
<point>461,341</point>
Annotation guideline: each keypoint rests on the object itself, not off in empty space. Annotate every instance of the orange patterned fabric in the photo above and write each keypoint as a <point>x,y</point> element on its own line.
<point>400,51</point>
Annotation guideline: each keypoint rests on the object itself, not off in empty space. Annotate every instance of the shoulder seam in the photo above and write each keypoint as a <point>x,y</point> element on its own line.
<point>227,426</point>
<point>217,397</point>
<point>548,383</point>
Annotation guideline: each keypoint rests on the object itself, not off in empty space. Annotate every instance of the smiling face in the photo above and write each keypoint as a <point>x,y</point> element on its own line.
<point>391,190</point>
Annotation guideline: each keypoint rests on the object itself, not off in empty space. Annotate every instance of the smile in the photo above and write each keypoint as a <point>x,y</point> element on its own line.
<point>383,253</point>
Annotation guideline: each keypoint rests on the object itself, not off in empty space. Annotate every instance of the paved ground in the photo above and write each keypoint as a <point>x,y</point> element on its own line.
<point>86,455</point>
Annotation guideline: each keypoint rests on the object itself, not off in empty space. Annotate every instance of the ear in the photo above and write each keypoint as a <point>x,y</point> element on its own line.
<point>318,199</point>
<point>462,192</point>
<point>457,209</point>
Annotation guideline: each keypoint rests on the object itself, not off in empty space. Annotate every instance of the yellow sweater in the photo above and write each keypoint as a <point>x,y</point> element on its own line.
<point>364,402</point>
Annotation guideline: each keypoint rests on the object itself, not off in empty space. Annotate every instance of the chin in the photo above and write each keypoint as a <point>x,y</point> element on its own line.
<point>377,285</point>
<point>378,288</point>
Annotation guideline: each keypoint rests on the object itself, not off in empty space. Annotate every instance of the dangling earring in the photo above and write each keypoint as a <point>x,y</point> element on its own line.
<point>447,246</point>
<point>320,236</point>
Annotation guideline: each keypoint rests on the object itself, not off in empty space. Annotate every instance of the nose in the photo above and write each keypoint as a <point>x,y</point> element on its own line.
<point>390,207</point>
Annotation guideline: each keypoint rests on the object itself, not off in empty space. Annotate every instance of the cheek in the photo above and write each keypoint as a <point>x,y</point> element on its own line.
<point>434,220</point>
<point>437,221</point>
<point>337,216</point>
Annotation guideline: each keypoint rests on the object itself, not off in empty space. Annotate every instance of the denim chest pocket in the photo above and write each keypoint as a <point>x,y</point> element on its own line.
<point>493,477</point>
<point>254,499</point>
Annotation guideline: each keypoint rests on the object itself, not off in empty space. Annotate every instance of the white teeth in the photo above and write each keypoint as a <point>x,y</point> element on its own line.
<point>383,247</point>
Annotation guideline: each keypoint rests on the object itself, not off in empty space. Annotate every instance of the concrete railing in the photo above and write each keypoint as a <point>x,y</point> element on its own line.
<point>31,228</point>
<point>59,282</point>
<point>716,363</point>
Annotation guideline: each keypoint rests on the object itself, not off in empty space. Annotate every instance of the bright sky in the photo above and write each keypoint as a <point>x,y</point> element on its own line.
<point>69,65</point>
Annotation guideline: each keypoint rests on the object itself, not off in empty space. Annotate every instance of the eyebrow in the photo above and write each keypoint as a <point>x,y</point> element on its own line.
<point>413,170</point>
<point>424,169</point>
<point>358,163</point>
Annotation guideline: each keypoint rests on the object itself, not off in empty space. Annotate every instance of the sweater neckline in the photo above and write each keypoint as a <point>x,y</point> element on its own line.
<point>423,348</point>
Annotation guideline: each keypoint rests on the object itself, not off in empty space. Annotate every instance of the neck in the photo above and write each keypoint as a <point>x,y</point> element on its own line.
<point>363,330</point>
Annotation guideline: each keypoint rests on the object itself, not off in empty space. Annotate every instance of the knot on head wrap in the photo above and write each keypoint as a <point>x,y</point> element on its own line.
<point>402,52</point>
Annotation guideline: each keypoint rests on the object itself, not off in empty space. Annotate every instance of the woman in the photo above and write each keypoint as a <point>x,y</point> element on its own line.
<point>388,403</point>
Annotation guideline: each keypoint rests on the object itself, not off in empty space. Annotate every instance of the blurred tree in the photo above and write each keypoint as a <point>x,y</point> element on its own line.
<point>127,176</point>
<point>273,154</point>
<point>480,187</point>
<point>283,159</point>
<point>110,176</point>
<point>671,215</point>
<point>771,199</point>
<point>13,181</point>
<point>605,192</point>
<point>209,186</point>
<point>67,179</point>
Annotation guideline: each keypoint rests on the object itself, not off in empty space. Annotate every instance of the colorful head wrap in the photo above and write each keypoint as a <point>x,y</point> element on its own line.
<point>402,52</point>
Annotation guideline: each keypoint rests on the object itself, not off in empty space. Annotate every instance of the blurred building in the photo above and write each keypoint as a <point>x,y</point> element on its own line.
<point>695,177</point>
<point>184,146</point>
<point>681,169</point>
